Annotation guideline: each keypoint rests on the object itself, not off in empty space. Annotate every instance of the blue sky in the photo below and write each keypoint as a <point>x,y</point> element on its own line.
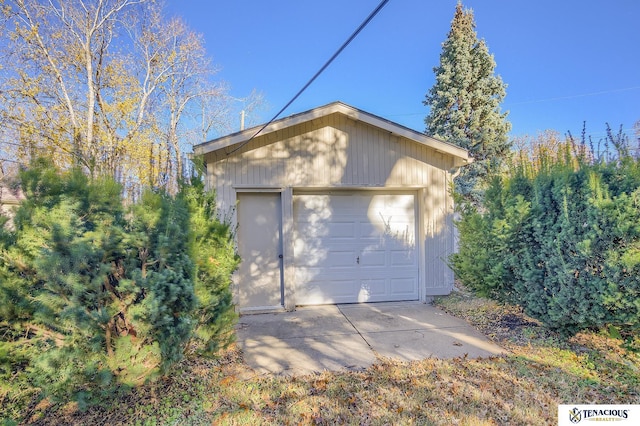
<point>565,61</point>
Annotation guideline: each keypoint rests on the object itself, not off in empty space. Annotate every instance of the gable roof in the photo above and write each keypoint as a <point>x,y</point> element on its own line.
<point>235,140</point>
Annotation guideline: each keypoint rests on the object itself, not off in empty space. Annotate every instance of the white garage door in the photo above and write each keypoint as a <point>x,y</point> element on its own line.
<point>355,247</point>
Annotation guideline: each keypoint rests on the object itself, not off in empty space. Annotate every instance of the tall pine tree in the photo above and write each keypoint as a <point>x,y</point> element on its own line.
<point>465,102</point>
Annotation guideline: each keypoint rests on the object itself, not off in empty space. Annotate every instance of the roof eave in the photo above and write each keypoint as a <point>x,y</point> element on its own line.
<point>233,140</point>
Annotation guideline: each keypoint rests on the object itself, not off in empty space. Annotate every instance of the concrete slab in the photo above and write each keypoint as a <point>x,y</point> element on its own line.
<point>308,340</point>
<point>413,345</point>
<point>352,337</point>
<point>390,316</point>
<point>323,320</point>
<point>411,331</point>
<point>307,355</point>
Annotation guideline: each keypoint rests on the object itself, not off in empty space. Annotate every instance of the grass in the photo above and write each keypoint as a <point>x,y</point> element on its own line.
<point>524,387</point>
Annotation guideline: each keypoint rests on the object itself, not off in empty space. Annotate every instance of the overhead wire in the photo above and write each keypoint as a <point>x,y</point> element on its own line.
<point>317,74</point>
<point>581,95</point>
<point>532,101</point>
<point>13,161</point>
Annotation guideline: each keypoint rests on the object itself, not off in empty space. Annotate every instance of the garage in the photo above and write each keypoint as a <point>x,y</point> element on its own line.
<point>353,247</point>
<point>335,205</point>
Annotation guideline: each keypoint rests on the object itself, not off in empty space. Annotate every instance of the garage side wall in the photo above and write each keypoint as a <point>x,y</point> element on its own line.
<point>336,151</point>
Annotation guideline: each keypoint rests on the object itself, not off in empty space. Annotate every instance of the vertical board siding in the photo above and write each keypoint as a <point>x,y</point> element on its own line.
<point>438,233</point>
<point>336,151</point>
<point>333,151</point>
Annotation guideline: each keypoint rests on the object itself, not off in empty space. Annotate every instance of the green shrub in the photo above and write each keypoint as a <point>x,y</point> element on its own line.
<point>562,239</point>
<point>214,254</point>
<point>95,296</point>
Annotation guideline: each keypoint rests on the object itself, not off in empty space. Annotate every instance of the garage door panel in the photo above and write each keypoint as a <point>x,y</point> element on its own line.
<point>370,230</point>
<point>312,206</point>
<point>372,288</point>
<point>403,258</point>
<point>402,286</point>
<point>328,274</point>
<point>341,230</point>
<point>323,292</point>
<point>383,271</point>
<point>388,258</point>
<point>335,230</point>
<point>373,258</point>
<point>323,259</point>
<point>338,259</point>
<point>355,247</point>
<point>402,234</point>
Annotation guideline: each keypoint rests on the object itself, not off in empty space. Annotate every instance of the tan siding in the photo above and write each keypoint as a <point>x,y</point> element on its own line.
<point>439,233</point>
<point>336,151</point>
<point>331,152</point>
<point>386,154</point>
<point>366,149</point>
<point>352,159</point>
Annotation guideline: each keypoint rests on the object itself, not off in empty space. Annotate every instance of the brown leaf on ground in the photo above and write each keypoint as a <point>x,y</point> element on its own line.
<point>541,371</point>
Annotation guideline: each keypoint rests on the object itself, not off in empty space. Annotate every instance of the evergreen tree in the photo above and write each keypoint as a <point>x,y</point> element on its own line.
<point>95,296</point>
<point>215,258</point>
<point>60,267</point>
<point>465,104</point>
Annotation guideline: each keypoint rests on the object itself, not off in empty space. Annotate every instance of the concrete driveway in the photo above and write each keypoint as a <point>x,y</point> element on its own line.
<point>352,337</point>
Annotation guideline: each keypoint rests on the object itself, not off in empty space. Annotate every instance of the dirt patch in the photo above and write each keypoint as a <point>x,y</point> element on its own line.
<point>514,322</point>
<point>505,324</point>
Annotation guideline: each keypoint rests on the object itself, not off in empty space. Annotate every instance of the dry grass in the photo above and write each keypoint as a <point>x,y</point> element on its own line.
<point>522,388</point>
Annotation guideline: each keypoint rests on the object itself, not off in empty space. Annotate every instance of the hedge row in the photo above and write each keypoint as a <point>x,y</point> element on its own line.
<point>561,239</point>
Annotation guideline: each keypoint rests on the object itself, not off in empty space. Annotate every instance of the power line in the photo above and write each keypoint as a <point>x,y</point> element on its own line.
<point>533,101</point>
<point>335,55</point>
<point>12,161</point>
<point>21,145</point>
<point>582,95</point>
